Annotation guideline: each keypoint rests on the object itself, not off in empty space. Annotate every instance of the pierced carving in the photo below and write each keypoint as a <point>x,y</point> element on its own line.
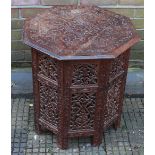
<point>48,67</point>
<point>49,104</point>
<point>118,66</point>
<point>84,74</point>
<point>78,31</point>
<point>112,104</point>
<point>82,111</point>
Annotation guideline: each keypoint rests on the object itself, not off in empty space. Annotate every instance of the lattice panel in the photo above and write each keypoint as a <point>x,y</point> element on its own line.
<point>112,105</point>
<point>49,104</point>
<point>82,111</point>
<point>84,74</point>
<point>118,66</point>
<point>48,67</point>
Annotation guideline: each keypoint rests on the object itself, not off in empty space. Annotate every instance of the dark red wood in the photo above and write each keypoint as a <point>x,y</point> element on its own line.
<point>79,77</point>
<point>80,32</point>
<point>36,90</point>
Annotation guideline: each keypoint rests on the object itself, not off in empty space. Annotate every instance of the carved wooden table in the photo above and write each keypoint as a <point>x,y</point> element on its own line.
<point>80,59</point>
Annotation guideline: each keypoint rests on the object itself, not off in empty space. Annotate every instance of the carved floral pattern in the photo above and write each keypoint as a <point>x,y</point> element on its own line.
<point>49,104</point>
<point>112,104</point>
<point>48,67</point>
<point>84,74</point>
<point>118,66</point>
<point>78,30</point>
<point>82,111</point>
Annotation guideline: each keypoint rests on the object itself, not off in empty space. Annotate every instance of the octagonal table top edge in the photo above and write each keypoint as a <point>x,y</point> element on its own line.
<point>117,51</point>
<point>63,32</point>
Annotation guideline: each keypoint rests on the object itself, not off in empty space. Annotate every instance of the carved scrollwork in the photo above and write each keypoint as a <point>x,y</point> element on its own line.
<point>72,30</point>
<point>82,111</point>
<point>84,74</point>
<point>118,66</point>
<point>43,65</point>
<point>49,104</point>
<point>48,67</point>
<point>112,104</point>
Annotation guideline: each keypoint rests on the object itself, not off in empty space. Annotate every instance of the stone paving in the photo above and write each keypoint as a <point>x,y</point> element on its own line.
<point>127,140</point>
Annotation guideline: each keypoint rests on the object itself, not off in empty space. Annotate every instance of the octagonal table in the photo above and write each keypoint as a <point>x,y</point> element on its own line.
<point>80,59</point>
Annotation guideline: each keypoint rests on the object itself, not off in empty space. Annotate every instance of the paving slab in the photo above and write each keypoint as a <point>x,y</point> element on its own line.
<point>126,140</point>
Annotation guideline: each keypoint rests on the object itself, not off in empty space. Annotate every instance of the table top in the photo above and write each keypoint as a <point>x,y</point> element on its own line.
<point>80,32</point>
